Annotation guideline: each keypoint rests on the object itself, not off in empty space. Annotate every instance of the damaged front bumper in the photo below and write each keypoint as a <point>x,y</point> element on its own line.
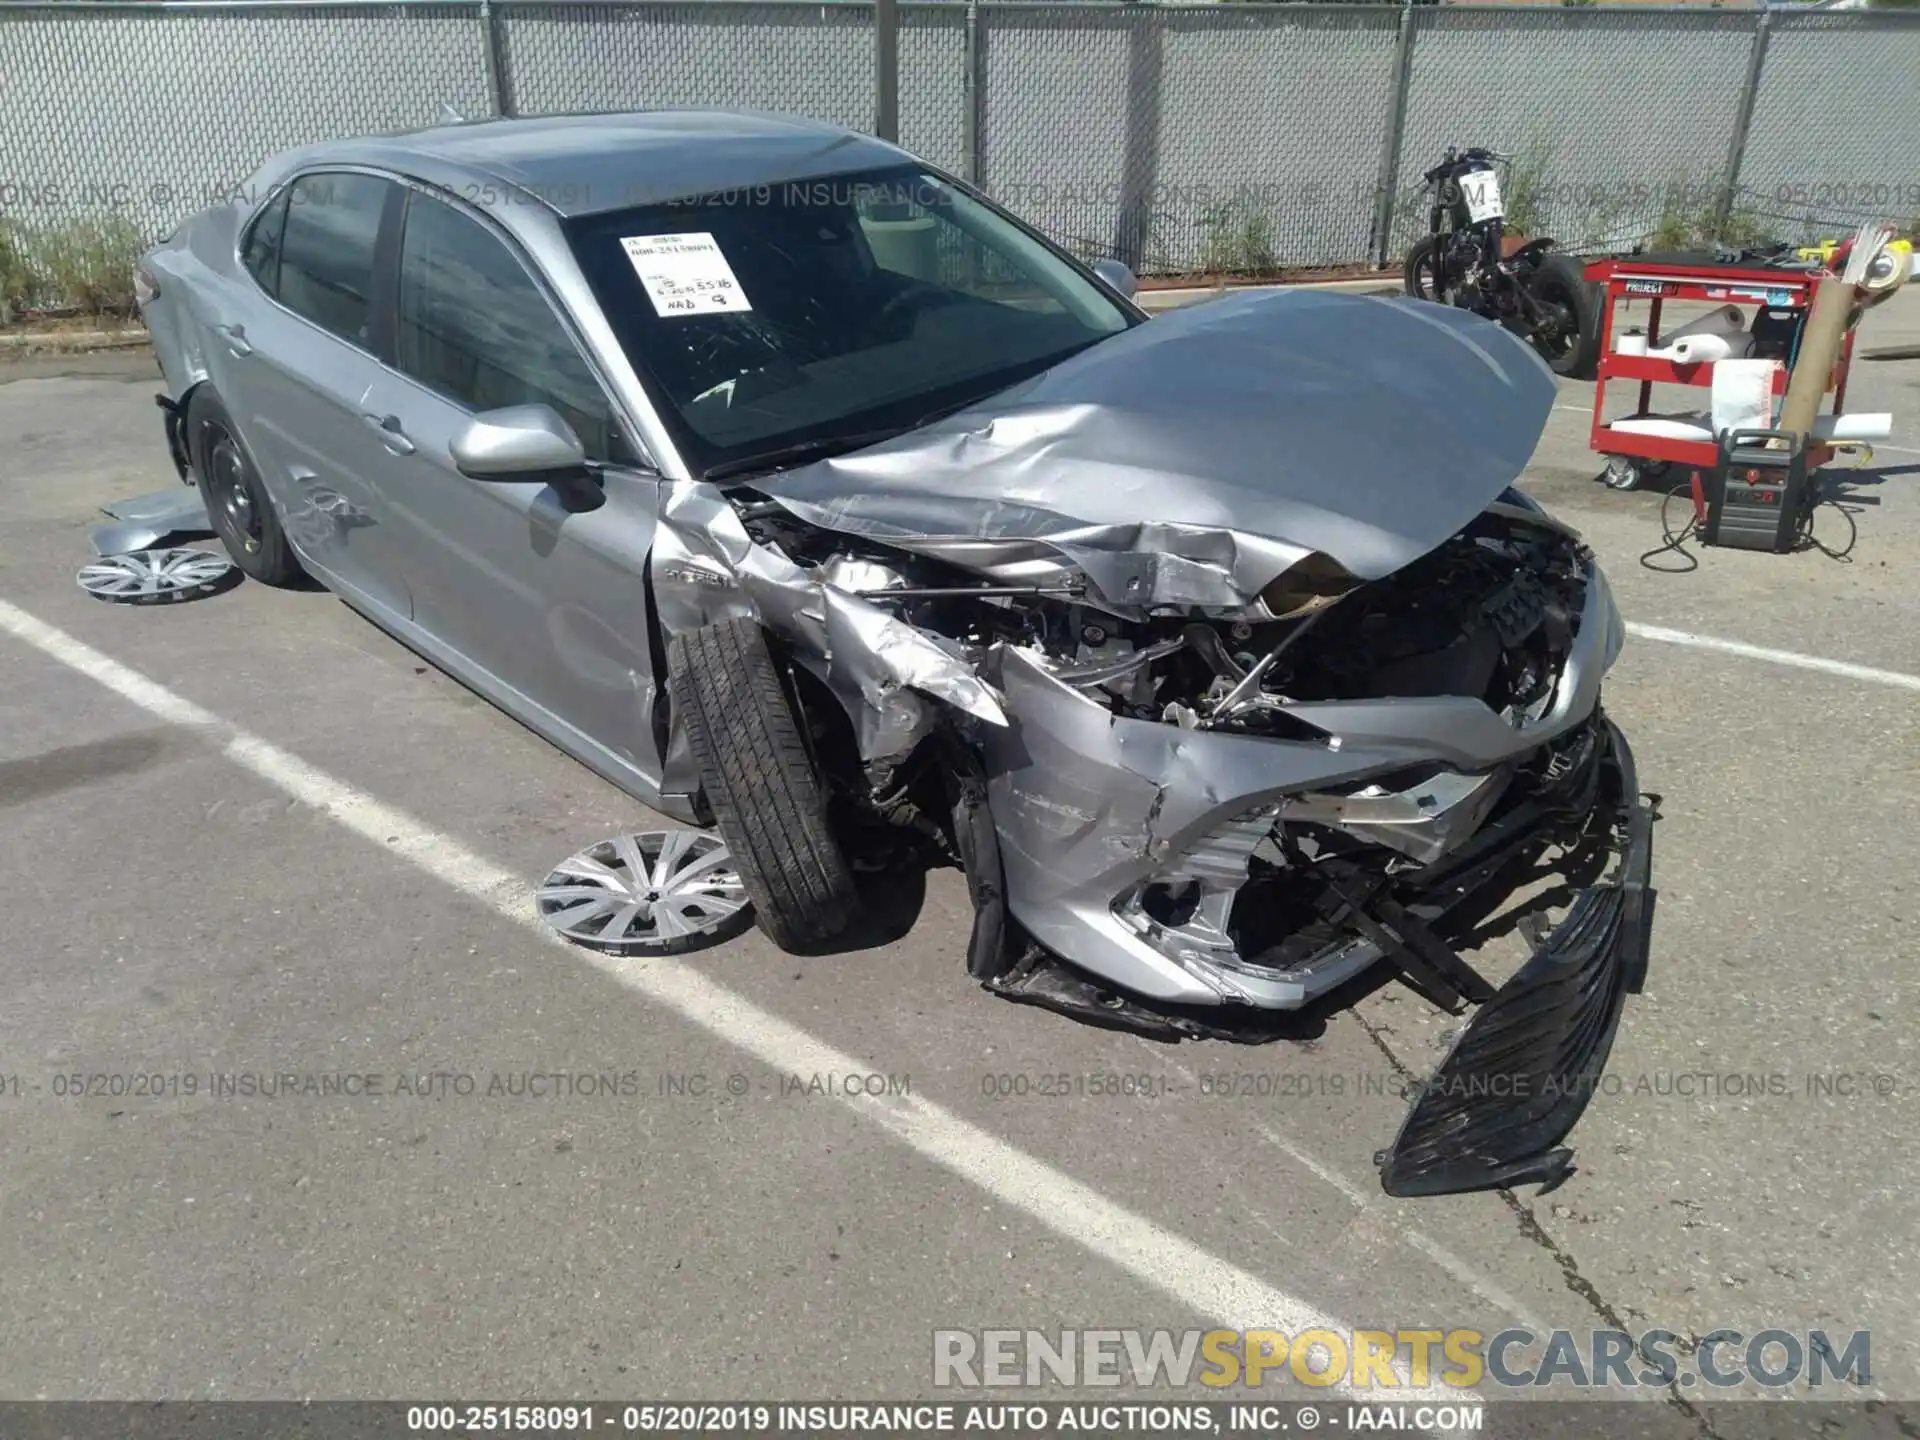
<point>1495,1110</point>
<point>1522,1072</point>
<point>1143,854</point>
<point>1107,823</point>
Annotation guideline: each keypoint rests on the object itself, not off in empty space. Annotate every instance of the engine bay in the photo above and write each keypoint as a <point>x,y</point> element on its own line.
<point>1489,615</point>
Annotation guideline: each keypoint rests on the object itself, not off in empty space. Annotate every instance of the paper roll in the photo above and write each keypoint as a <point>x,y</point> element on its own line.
<point>1867,425</point>
<point>1703,349</point>
<point>1724,320</point>
<point>1663,427</point>
<point>1634,342</point>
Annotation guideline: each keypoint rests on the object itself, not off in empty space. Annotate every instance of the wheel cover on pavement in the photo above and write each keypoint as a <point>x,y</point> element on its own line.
<point>653,891</point>
<point>157,577</point>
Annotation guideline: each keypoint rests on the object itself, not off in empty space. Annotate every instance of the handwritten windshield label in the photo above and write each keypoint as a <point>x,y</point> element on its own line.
<point>685,274</point>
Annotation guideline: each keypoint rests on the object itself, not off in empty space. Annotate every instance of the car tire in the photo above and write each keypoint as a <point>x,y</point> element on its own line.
<point>761,782</point>
<point>237,504</point>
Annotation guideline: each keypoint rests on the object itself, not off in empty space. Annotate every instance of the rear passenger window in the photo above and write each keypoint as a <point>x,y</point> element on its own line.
<point>473,326</point>
<point>326,251</point>
<point>262,253</point>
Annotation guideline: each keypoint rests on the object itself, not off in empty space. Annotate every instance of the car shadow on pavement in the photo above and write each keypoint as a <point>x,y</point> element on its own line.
<point>891,898</point>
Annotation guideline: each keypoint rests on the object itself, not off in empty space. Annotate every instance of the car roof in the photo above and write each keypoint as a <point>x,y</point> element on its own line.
<point>584,164</point>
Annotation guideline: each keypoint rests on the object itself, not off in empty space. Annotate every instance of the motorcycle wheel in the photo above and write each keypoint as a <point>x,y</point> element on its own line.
<point>1420,275</point>
<point>1572,346</point>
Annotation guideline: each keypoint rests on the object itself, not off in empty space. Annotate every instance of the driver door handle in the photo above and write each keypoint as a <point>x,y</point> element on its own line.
<point>236,338</point>
<point>387,427</point>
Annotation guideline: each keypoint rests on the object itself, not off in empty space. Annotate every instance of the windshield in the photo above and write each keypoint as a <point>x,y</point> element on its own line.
<point>790,316</point>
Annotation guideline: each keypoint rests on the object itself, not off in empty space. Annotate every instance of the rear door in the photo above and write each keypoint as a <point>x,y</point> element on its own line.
<point>297,364</point>
<point>540,591</point>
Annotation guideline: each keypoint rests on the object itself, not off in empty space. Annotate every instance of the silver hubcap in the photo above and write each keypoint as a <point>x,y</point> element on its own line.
<point>149,576</point>
<point>660,889</point>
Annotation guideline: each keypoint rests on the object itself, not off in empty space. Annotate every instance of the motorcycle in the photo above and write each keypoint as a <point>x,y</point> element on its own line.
<point>1537,292</point>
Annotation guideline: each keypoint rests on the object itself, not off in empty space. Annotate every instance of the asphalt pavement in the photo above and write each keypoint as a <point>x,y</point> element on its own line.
<point>255,842</point>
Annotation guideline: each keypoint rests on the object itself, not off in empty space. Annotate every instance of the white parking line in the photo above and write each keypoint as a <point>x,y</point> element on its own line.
<point>1179,1269</point>
<point>1846,668</point>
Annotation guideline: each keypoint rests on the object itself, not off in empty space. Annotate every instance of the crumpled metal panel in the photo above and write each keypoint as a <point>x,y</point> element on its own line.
<point>1423,821</point>
<point>145,521</point>
<point>179,507</point>
<point>1252,430</point>
<point>707,568</point>
<point>1190,461</point>
<point>1088,804</point>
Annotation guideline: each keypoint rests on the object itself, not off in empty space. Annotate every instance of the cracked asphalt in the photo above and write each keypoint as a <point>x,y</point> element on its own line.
<point>718,1227</point>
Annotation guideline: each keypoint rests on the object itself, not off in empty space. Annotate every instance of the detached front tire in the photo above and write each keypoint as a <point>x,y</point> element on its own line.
<point>761,782</point>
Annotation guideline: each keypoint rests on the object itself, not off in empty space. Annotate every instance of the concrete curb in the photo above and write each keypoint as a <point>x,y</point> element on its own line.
<point>75,340</point>
<point>1189,295</point>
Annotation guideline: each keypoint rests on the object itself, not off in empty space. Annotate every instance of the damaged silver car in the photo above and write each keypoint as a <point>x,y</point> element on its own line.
<point>793,486</point>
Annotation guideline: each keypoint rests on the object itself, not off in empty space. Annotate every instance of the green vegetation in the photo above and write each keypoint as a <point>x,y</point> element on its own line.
<point>1690,225</point>
<point>15,282</point>
<point>1523,189</point>
<point>83,267</point>
<point>1237,239</point>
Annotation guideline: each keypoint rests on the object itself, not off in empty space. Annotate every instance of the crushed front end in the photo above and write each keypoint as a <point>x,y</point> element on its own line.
<point>1204,768</point>
<point>1410,754</point>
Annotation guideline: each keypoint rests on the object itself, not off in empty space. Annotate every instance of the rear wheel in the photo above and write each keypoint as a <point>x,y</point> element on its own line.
<point>761,782</point>
<point>1567,333</point>
<point>237,503</point>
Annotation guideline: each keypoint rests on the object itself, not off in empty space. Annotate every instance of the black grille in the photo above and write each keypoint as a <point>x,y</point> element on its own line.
<point>1522,1073</point>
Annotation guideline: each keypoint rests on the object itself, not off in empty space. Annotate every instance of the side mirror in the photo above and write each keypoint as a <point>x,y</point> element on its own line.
<point>1117,276</point>
<point>520,442</point>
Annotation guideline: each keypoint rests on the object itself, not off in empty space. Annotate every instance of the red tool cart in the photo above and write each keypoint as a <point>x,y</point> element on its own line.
<point>1783,295</point>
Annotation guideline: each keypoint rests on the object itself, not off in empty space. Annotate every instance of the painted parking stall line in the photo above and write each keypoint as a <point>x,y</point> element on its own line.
<point>1170,1264</point>
<point>1846,669</point>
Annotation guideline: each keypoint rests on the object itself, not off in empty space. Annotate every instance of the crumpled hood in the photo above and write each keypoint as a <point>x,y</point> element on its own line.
<point>1192,459</point>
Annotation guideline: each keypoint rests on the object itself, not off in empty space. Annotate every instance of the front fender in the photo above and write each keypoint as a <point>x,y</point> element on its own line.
<point>705,568</point>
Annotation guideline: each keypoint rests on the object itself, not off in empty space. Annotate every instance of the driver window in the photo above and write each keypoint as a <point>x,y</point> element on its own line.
<point>474,327</point>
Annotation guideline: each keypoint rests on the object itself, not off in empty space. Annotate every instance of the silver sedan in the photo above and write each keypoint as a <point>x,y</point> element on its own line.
<point>798,489</point>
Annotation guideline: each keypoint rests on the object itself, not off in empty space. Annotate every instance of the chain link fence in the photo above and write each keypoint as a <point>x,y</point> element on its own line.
<point>1180,138</point>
